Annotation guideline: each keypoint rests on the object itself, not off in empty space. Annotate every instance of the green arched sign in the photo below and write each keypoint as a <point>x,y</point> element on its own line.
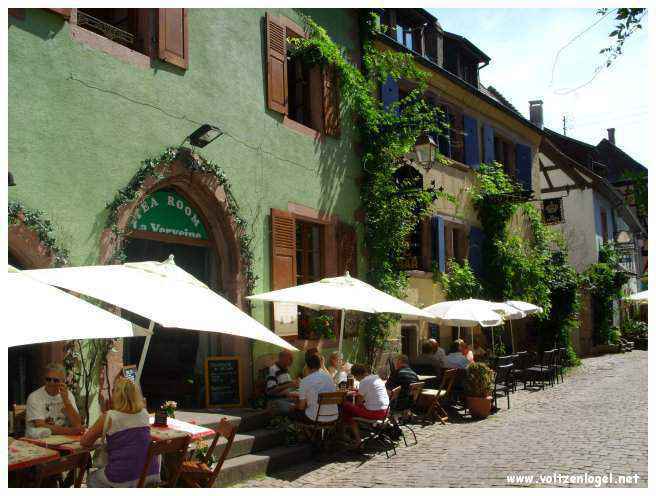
<point>166,212</point>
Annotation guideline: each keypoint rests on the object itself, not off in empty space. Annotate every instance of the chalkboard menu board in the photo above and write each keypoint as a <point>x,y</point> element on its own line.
<point>223,381</point>
<point>130,372</point>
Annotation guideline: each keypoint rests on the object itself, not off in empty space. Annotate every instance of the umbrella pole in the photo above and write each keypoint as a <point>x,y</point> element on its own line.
<point>341,330</point>
<point>512,336</point>
<point>144,351</point>
<point>458,332</point>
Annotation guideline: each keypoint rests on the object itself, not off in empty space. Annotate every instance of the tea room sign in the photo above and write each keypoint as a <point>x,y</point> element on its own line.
<point>166,212</point>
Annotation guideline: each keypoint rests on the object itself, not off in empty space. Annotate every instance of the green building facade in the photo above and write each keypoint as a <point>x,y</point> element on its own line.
<point>94,94</point>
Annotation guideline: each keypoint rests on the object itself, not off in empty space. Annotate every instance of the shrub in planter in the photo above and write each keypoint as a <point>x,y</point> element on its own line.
<point>478,389</point>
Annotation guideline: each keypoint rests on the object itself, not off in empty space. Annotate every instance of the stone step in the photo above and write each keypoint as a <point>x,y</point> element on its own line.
<point>245,419</point>
<point>252,465</point>
<point>252,442</point>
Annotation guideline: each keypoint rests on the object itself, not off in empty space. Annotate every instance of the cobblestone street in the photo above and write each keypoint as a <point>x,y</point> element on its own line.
<point>594,423</point>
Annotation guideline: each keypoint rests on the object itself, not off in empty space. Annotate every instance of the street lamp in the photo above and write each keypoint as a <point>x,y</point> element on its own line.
<point>426,150</point>
<point>204,135</point>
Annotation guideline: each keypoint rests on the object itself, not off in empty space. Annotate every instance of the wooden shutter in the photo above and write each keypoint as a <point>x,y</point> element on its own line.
<point>457,136</point>
<point>488,144</point>
<point>523,164</point>
<point>173,39</point>
<point>276,39</point>
<point>283,249</point>
<point>425,251</point>
<point>471,142</point>
<point>476,238</point>
<point>347,249</point>
<point>65,13</point>
<point>330,101</point>
<point>444,133</point>
<point>438,248</point>
<point>389,92</point>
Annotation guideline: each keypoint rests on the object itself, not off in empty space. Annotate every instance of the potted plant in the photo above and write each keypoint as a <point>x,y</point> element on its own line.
<point>165,411</point>
<point>478,390</point>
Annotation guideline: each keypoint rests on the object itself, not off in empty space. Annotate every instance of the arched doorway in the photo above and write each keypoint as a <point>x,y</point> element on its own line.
<point>185,212</point>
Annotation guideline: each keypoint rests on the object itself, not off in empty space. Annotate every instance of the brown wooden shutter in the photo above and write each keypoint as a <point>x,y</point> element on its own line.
<point>330,101</point>
<point>283,249</point>
<point>425,226</point>
<point>347,249</point>
<point>458,141</point>
<point>276,64</point>
<point>173,39</point>
<point>65,13</point>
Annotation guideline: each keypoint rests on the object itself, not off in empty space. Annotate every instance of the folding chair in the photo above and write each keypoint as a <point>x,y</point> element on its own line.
<point>318,431</point>
<point>176,448</point>
<point>197,473</point>
<point>377,428</point>
<point>503,382</point>
<point>49,472</point>
<point>433,396</point>
<point>401,417</point>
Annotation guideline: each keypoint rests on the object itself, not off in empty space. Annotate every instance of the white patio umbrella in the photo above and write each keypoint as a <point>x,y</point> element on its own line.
<point>509,313</point>
<point>342,293</point>
<point>640,298</point>
<point>526,308</point>
<point>39,313</point>
<point>163,293</point>
<point>465,313</point>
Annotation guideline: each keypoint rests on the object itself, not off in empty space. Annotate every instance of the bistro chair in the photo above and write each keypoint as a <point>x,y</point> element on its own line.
<point>434,397</point>
<point>503,383</point>
<point>544,371</point>
<point>320,431</point>
<point>378,429</point>
<point>176,448</point>
<point>520,364</point>
<point>402,418</point>
<point>50,474</point>
<point>197,473</point>
<point>18,414</point>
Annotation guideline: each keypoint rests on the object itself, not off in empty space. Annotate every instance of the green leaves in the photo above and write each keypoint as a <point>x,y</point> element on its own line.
<point>460,282</point>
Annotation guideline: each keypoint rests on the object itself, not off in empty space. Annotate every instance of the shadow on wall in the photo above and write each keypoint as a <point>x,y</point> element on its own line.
<point>39,22</point>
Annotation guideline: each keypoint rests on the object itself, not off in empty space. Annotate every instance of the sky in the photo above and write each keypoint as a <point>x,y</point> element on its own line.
<point>524,46</point>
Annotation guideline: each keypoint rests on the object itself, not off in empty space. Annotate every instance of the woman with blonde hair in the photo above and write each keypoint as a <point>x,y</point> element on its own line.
<point>126,429</point>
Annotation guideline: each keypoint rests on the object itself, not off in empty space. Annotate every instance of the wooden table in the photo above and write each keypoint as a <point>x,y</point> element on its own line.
<point>178,428</point>
<point>24,454</point>
<point>424,378</point>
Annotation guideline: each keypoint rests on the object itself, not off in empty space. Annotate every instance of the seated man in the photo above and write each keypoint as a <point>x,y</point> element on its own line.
<point>439,352</point>
<point>402,376</point>
<point>279,384</point>
<point>455,359</point>
<point>428,360</point>
<point>315,383</point>
<point>51,408</point>
<point>372,401</point>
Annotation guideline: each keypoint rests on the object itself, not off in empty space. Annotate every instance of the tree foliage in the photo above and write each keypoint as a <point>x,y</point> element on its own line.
<point>628,22</point>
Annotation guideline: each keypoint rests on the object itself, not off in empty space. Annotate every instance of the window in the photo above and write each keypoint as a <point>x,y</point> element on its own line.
<point>456,242</point>
<point>504,154</point>
<point>308,252</point>
<point>409,178</point>
<point>604,225</point>
<point>307,95</point>
<point>128,27</point>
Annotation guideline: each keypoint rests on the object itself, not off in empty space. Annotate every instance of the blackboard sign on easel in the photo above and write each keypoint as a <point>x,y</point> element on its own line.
<point>130,372</point>
<point>223,381</point>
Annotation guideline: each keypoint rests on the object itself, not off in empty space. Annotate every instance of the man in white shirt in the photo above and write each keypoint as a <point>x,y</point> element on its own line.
<point>439,352</point>
<point>455,359</point>
<point>372,401</point>
<point>315,383</point>
<point>279,384</point>
<point>51,408</point>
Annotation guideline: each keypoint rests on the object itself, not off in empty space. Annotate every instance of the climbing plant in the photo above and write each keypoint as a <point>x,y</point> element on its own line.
<point>604,280</point>
<point>392,207</point>
<point>460,282</point>
<point>36,220</point>
<point>153,167</point>
<point>517,267</point>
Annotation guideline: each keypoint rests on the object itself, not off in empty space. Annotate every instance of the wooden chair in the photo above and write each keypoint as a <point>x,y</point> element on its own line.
<point>434,396</point>
<point>18,413</point>
<point>176,447</point>
<point>401,418</point>
<point>197,473</point>
<point>319,431</point>
<point>52,472</point>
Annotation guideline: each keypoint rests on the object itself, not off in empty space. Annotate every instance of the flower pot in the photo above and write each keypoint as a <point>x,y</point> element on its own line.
<point>479,407</point>
<point>161,419</point>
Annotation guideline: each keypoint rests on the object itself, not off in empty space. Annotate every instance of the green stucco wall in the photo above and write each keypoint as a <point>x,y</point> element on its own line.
<point>81,122</point>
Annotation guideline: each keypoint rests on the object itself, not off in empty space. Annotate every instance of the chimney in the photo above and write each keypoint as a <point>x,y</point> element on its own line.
<point>611,135</point>
<point>535,113</point>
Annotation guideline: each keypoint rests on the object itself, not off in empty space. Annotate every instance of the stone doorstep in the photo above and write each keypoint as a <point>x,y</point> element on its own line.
<point>246,467</point>
<point>251,442</point>
<point>245,419</point>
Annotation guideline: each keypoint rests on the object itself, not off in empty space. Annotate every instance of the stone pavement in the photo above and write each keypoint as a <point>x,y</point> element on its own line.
<point>594,423</point>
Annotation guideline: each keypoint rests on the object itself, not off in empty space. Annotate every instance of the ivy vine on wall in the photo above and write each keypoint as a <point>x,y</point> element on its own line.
<point>392,206</point>
<point>36,221</point>
<point>153,167</point>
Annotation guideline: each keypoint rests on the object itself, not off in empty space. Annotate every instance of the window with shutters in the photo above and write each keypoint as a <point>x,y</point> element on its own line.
<point>456,242</point>
<point>407,177</point>
<point>305,94</point>
<point>127,27</point>
<point>504,153</point>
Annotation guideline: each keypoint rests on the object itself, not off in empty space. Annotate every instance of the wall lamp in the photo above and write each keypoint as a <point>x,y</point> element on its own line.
<point>204,135</point>
<point>11,180</point>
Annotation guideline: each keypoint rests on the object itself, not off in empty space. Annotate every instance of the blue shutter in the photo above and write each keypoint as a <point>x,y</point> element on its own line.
<point>523,163</point>
<point>476,238</point>
<point>488,144</point>
<point>444,136</point>
<point>438,244</point>
<point>389,92</point>
<point>471,142</point>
